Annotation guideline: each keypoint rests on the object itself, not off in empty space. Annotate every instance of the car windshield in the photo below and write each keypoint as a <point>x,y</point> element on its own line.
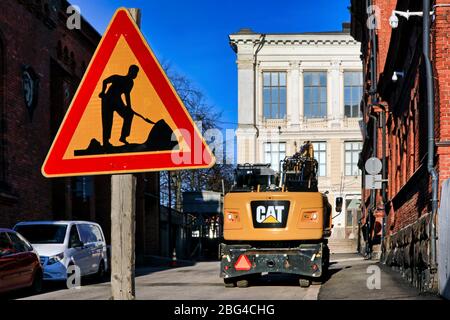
<point>43,233</point>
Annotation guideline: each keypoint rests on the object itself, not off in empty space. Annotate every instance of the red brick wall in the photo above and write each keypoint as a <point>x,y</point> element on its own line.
<point>384,32</point>
<point>407,135</point>
<point>441,56</point>
<point>27,40</point>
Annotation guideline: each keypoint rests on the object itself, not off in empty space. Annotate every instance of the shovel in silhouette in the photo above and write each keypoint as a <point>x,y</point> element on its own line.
<point>143,118</point>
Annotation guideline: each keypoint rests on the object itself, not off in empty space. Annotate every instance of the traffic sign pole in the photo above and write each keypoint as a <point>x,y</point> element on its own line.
<point>123,228</point>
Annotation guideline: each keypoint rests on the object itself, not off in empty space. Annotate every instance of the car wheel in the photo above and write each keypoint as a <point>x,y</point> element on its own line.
<point>101,273</point>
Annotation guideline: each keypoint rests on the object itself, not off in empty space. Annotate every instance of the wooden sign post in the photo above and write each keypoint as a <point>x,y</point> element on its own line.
<point>123,228</point>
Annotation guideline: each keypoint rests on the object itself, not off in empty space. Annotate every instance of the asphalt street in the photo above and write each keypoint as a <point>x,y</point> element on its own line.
<point>347,280</point>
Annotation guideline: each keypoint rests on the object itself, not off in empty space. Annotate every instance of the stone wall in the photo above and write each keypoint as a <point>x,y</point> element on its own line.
<point>408,251</point>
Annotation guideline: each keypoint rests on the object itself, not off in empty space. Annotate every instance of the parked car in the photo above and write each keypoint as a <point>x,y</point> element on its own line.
<point>19,263</point>
<point>62,244</point>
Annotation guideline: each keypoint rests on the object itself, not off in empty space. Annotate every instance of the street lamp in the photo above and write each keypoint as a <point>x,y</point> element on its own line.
<point>396,75</point>
<point>393,20</point>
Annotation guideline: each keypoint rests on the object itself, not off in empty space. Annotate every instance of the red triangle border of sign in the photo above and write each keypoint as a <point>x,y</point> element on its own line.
<point>123,25</point>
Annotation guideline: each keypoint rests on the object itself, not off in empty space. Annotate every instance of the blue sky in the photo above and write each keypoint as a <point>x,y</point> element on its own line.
<point>193,35</point>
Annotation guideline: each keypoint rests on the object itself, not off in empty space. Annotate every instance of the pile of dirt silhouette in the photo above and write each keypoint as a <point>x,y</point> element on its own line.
<point>159,139</point>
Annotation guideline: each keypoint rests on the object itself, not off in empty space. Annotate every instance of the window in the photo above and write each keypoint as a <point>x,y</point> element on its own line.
<point>274,95</point>
<point>320,154</point>
<point>274,153</point>
<point>6,247</point>
<point>86,233</point>
<point>97,233</point>
<point>18,244</point>
<point>74,237</point>
<point>43,233</point>
<point>352,150</point>
<point>353,87</point>
<point>352,211</point>
<point>349,213</point>
<point>315,94</point>
<point>83,187</point>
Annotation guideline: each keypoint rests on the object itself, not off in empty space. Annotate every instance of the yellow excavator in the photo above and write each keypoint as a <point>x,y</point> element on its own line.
<point>276,222</point>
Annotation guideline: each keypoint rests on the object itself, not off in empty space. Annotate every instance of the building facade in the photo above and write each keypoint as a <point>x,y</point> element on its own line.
<point>41,64</point>
<point>303,87</point>
<point>412,143</point>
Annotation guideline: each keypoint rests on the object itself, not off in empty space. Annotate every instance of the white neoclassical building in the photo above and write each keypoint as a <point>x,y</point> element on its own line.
<point>298,87</point>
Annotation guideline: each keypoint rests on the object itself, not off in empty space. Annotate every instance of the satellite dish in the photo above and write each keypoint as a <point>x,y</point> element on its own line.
<point>373,166</point>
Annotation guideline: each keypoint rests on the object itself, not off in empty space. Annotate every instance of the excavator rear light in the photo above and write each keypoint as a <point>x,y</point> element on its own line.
<point>233,217</point>
<point>311,216</point>
<point>243,263</point>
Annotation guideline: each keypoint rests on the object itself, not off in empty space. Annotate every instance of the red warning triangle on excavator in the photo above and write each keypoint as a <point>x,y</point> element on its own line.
<point>243,263</point>
<point>125,116</point>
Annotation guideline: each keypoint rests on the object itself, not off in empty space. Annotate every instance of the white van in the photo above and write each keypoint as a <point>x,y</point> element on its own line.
<point>61,244</point>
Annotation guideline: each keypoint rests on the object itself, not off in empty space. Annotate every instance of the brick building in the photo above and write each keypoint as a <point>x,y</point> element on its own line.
<point>41,64</point>
<point>396,113</point>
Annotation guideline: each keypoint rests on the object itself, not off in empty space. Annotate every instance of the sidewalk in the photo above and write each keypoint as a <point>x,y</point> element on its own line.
<point>348,281</point>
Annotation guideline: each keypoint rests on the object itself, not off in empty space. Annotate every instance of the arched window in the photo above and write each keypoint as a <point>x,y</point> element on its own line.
<point>2,115</point>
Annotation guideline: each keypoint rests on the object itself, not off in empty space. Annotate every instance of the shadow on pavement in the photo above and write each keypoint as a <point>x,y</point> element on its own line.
<point>51,286</point>
<point>152,264</point>
<point>288,280</point>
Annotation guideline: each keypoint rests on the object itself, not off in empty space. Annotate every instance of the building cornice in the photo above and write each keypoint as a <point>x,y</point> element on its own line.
<point>290,40</point>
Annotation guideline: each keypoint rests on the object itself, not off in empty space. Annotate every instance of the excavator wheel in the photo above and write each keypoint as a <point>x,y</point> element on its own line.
<point>229,283</point>
<point>242,283</point>
<point>304,283</point>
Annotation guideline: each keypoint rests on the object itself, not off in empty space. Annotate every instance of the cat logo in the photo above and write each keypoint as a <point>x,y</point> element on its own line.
<point>270,214</point>
<point>273,214</point>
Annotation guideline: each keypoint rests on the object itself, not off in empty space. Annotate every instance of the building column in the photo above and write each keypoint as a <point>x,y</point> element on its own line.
<point>245,93</point>
<point>341,95</point>
<point>334,94</point>
<point>259,94</point>
<point>246,133</point>
<point>300,88</point>
<point>293,105</point>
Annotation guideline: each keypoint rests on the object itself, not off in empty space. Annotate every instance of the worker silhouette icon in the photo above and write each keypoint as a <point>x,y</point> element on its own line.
<point>160,136</point>
<point>112,102</point>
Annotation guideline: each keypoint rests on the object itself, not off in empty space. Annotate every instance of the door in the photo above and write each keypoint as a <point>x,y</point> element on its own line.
<point>93,255</point>
<point>8,264</point>
<point>99,250</point>
<point>77,253</point>
<point>444,241</point>
<point>26,260</point>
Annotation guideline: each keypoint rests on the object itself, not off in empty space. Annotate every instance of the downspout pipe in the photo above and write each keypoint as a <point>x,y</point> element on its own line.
<point>372,93</point>
<point>382,125</point>
<point>262,41</point>
<point>384,174</point>
<point>431,138</point>
<point>373,194</point>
